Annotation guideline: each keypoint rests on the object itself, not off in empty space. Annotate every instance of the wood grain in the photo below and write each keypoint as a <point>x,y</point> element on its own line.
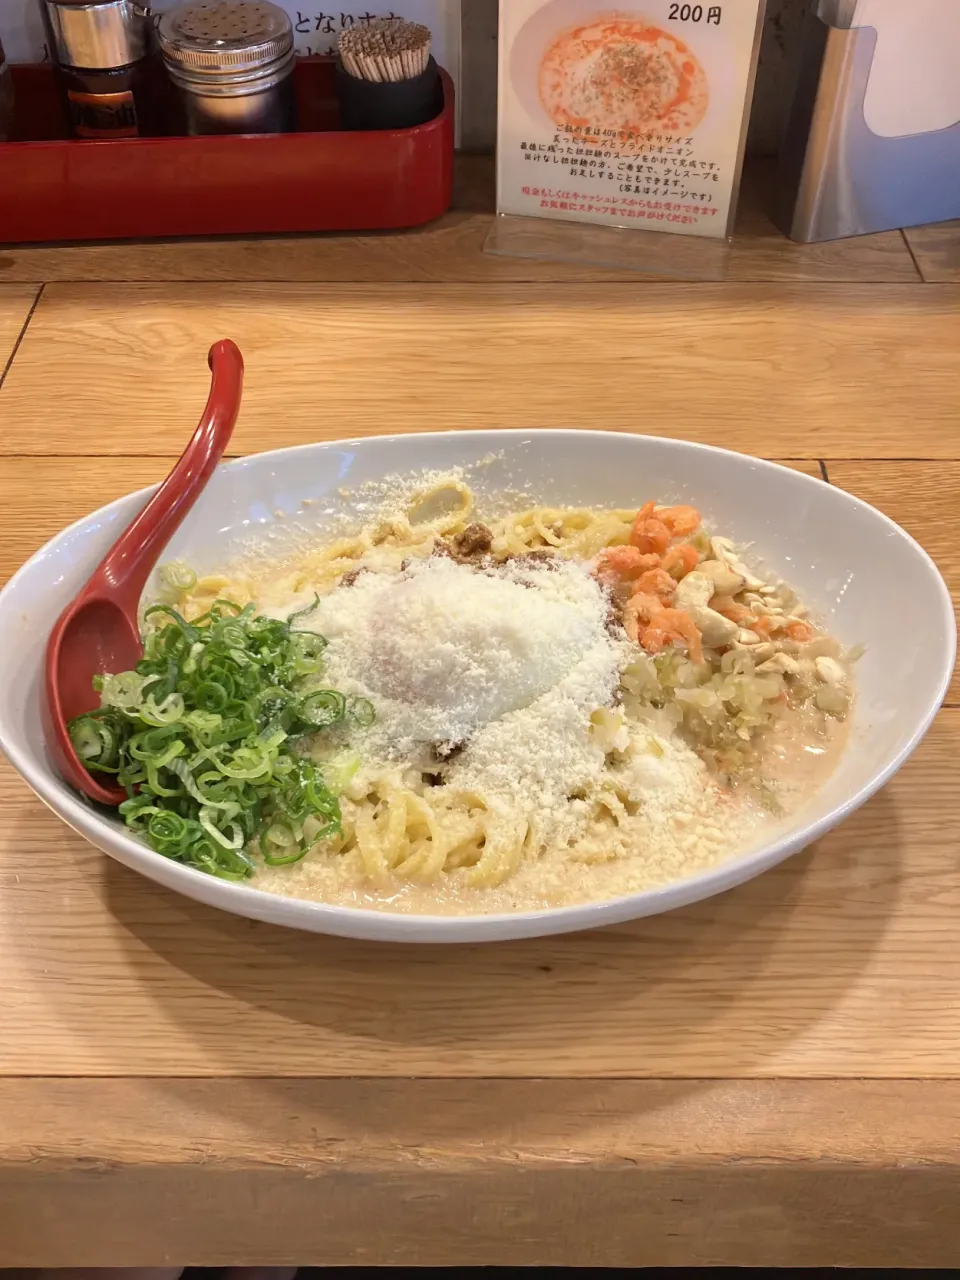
<point>936,250</point>
<point>783,1173</point>
<point>760,251</point>
<point>922,497</point>
<point>41,496</point>
<point>788,370</point>
<point>15,304</point>
<point>766,1079</point>
<point>450,251</point>
<point>843,962</point>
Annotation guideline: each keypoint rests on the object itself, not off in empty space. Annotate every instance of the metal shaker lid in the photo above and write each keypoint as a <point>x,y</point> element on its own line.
<point>215,37</point>
<point>98,36</point>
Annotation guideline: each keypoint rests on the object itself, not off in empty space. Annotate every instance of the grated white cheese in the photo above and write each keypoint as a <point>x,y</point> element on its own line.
<point>531,761</point>
<point>665,774</point>
<point>442,650</point>
<point>511,662</point>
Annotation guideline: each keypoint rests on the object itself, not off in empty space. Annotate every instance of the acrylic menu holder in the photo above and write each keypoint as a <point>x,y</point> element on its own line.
<point>575,180</point>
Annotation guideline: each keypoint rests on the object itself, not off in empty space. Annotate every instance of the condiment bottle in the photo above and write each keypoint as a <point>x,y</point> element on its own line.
<point>106,67</point>
<point>6,98</point>
<point>232,61</point>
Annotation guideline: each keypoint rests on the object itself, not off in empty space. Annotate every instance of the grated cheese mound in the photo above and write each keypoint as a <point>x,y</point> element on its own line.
<point>533,760</point>
<point>510,663</point>
<point>446,652</point>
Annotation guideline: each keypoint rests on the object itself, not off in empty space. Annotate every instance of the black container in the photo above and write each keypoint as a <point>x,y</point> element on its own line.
<point>389,104</point>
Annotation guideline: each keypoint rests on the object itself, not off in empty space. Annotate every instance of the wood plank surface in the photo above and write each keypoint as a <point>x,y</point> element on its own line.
<point>15,304</point>
<point>493,1172</point>
<point>922,497</point>
<point>788,370</point>
<point>41,496</point>
<point>766,1079</point>
<point>449,251</point>
<point>843,962</point>
<point>936,250</point>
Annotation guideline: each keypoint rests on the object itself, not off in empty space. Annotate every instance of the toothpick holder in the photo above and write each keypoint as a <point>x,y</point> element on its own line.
<point>389,104</point>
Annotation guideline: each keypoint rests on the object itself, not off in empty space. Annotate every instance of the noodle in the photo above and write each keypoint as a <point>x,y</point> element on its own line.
<point>410,821</point>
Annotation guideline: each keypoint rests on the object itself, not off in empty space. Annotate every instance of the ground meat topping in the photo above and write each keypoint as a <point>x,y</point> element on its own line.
<point>538,556</point>
<point>614,621</point>
<point>471,547</point>
<point>475,540</point>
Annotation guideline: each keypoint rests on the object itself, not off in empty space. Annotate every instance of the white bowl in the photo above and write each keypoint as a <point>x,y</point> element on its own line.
<point>867,579</point>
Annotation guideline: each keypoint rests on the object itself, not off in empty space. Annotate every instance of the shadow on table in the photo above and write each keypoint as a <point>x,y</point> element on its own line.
<point>719,989</point>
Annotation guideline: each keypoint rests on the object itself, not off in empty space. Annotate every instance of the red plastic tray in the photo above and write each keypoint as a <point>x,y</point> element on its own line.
<point>319,179</point>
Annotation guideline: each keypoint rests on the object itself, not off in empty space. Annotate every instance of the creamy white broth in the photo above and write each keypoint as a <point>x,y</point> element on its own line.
<point>541,740</point>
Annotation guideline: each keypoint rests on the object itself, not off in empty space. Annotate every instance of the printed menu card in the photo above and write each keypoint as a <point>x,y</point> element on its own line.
<point>633,116</point>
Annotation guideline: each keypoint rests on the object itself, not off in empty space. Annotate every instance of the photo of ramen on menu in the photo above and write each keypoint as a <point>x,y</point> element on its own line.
<point>628,116</point>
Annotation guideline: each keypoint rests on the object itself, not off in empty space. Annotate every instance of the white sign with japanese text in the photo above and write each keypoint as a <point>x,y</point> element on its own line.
<point>631,115</point>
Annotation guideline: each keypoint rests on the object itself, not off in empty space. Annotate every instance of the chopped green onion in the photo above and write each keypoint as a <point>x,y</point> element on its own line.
<point>125,690</point>
<point>203,737</point>
<point>167,712</point>
<point>95,742</point>
<point>178,618</point>
<point>280,846</point>
<point>361,712</point>
<point>177,576</point>
<point>309,649</point>
<point>303,613</point>
<point>86,739</point>
<point>323,708</point>
<point>341,770</point>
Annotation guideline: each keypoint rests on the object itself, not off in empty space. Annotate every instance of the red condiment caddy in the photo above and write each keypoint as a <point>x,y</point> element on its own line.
<point>321,178</point>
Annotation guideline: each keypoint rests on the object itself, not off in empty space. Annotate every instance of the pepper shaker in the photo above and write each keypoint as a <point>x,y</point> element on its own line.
<point>232,62</point>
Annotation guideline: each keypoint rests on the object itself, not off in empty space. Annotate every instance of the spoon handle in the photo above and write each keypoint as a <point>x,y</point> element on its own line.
<point>124,571</point>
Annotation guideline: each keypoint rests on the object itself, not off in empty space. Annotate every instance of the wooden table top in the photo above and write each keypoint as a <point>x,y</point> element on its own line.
<point>767,1078</point>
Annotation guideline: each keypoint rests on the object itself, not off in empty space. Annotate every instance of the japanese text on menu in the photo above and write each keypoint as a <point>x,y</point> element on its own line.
<point>658,179</point>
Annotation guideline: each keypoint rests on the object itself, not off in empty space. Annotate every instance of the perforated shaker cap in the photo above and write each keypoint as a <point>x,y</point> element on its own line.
<point>217,37</point>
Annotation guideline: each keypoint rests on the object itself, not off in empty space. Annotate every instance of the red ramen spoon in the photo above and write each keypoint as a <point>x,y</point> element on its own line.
<point>99,633</point>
